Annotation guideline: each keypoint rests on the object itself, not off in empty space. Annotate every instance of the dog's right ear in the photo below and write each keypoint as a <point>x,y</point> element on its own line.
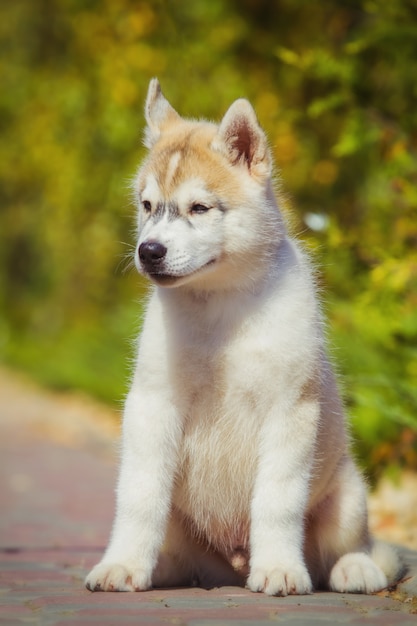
<point>243,141</point>
<point>158,113</point>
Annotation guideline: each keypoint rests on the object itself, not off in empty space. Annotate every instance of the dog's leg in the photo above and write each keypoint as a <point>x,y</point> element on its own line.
<point>280,497</point>
<point>350,561</point>
<point>151,432</point>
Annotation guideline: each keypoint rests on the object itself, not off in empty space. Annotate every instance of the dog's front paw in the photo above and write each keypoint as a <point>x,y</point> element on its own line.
<point>281,581</point>
<point>357,573</point>
<point>117,577</point>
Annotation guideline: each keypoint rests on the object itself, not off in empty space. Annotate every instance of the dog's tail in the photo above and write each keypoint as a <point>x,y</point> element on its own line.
<point>389,561</point>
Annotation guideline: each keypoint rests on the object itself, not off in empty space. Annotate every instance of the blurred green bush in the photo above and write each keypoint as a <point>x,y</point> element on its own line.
<point>333,84</point>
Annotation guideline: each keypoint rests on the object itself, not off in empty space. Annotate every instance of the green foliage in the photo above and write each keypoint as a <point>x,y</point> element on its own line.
<point>334,86</point>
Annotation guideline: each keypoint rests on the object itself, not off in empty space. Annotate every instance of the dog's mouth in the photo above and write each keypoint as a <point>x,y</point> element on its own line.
<point>164,279</point>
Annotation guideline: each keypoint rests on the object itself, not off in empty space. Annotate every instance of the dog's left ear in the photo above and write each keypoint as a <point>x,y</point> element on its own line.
<point>158,113</point>
<point>243,140</point>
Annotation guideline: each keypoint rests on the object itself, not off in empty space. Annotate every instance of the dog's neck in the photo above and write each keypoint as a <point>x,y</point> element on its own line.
<point>214,308</point>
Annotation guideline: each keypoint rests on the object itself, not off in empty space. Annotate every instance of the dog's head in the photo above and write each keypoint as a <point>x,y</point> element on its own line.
<point>206,212</point>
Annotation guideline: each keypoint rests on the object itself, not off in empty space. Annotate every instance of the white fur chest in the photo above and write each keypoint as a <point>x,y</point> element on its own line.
<point>218,458</point>
<point>226,383</point>
<point>218,395</point>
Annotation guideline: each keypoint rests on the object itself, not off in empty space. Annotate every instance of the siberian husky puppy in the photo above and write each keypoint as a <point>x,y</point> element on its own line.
<point>235,463</point>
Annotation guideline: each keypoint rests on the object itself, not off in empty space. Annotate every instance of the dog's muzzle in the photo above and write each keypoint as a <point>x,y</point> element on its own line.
<point>151,255</point>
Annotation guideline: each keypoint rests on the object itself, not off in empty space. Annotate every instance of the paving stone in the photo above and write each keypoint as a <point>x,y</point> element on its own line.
<point>56,505</point>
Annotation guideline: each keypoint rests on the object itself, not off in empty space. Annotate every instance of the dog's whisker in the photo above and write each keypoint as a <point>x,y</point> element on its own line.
<point>127,260</point>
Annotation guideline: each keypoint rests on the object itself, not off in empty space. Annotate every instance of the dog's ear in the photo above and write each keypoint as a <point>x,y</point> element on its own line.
<point>243,140</point>
<point>158,113</point>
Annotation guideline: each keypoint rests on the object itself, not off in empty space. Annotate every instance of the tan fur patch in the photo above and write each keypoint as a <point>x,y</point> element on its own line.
<point>186,154</point>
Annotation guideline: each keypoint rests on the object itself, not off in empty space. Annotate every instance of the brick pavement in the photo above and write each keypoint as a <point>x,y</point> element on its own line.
<point>56,510</point>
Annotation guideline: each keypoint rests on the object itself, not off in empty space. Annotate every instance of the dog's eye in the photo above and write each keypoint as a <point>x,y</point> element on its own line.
<point>147,206</point>
<point>199,208</point>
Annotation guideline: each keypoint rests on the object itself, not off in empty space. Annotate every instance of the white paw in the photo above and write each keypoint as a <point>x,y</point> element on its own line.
<point>116,577</point>
<point>357,573</point>
<point>280,581</point>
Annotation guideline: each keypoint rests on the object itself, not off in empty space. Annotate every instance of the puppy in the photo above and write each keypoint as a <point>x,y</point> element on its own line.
<point>235,464</point>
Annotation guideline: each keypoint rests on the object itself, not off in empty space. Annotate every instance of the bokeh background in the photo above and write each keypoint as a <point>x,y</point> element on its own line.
<point>334,85</point>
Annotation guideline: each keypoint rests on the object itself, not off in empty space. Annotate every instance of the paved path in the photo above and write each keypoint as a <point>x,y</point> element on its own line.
<point>56,499</point>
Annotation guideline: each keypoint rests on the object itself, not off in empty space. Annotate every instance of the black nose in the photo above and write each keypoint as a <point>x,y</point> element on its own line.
<point>151,252</point>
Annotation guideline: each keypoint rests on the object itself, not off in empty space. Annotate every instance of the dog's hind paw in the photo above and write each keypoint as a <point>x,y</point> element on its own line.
<point>116,577</point>
<point>294,580</point>
<point>357,573</point>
